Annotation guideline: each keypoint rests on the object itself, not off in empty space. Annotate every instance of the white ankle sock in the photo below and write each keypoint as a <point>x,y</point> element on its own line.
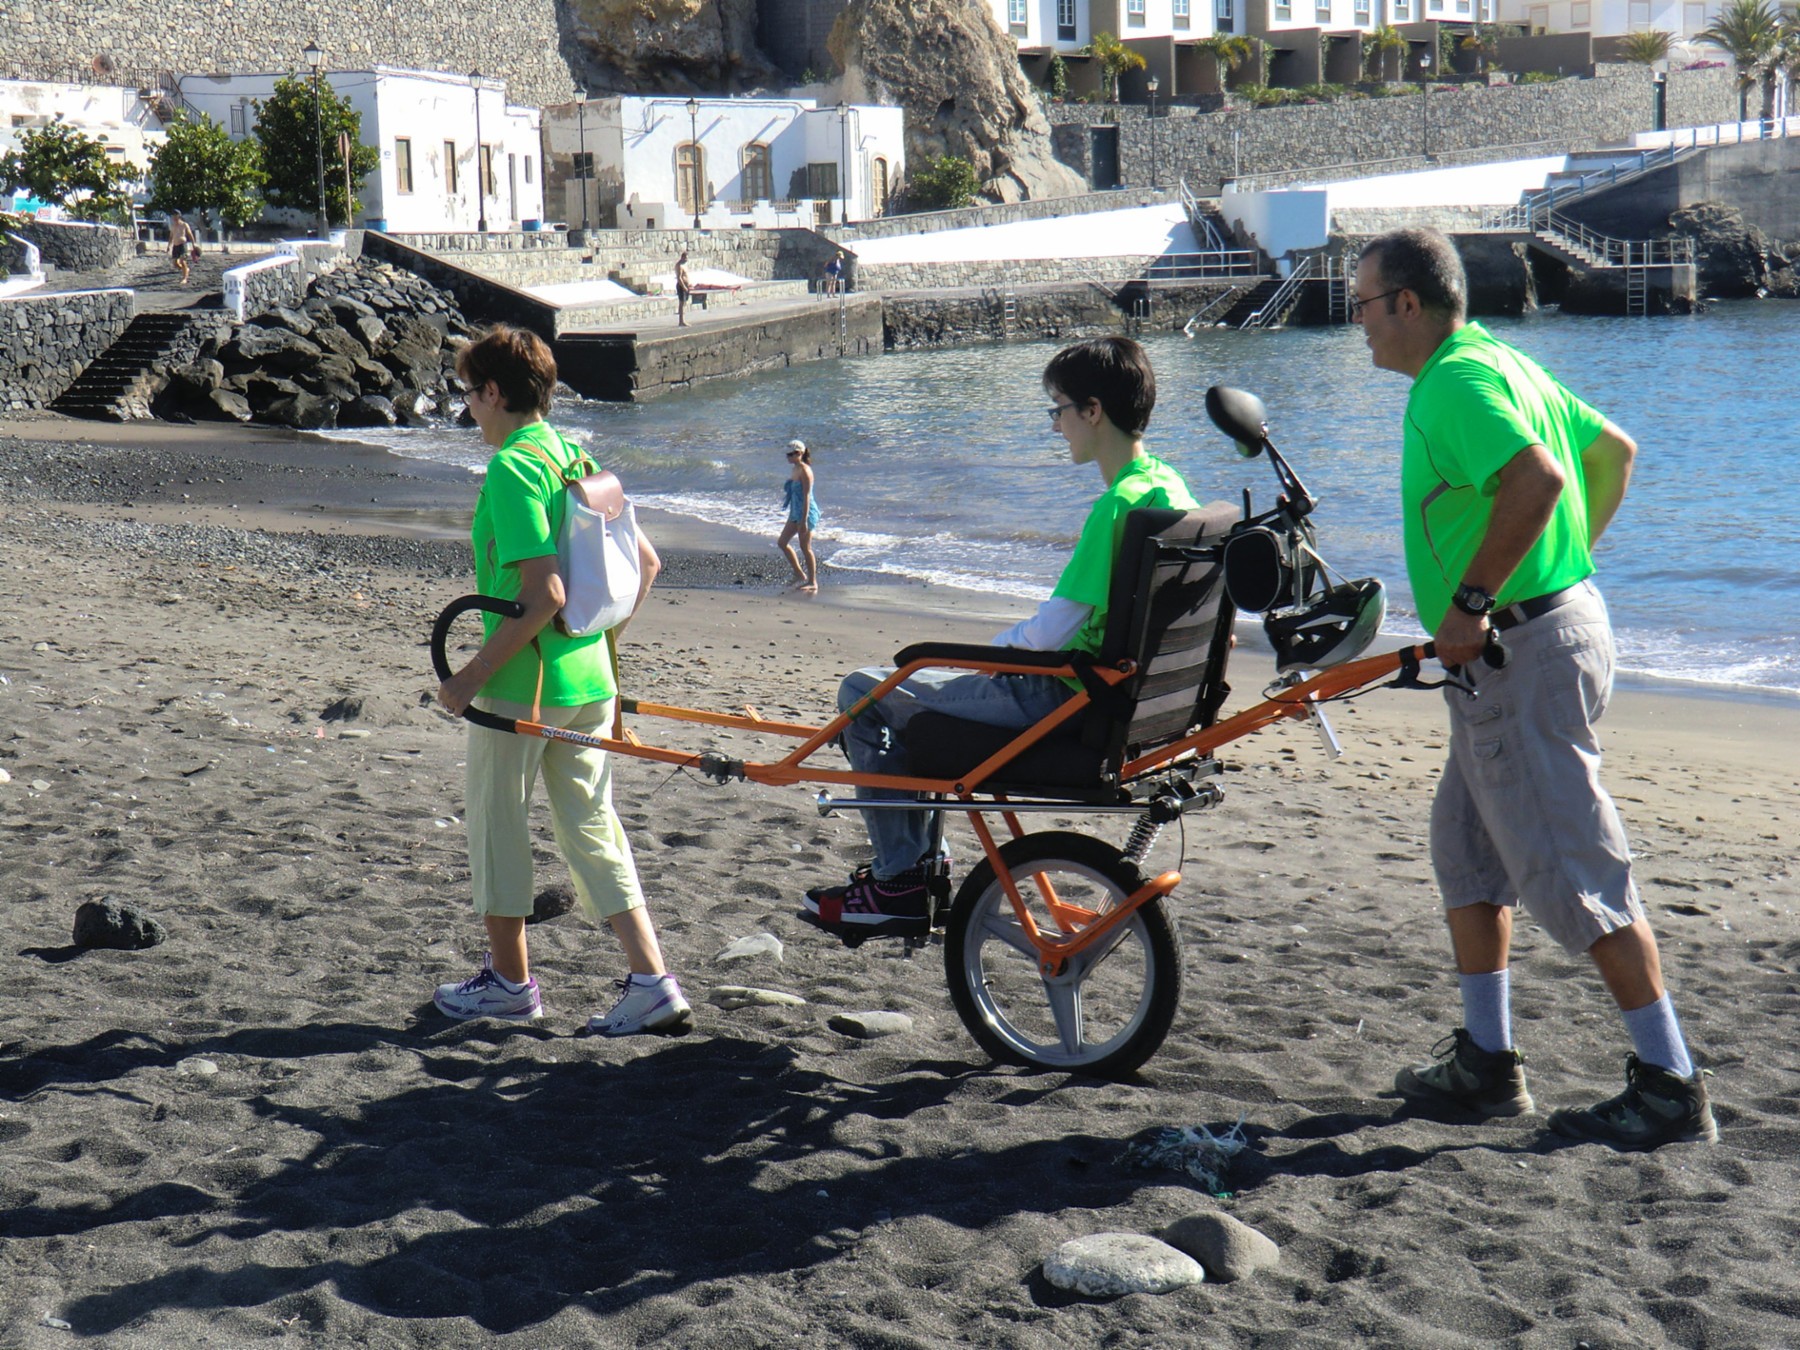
<point>1656,1036</point>
<point>1487,1009</point>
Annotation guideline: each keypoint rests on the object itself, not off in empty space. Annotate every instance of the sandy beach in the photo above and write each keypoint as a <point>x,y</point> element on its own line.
<point>217,708</point>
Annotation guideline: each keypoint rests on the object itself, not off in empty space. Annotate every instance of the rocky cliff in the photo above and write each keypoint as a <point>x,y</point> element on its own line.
<point>666,46</point>
<point>957,75</point>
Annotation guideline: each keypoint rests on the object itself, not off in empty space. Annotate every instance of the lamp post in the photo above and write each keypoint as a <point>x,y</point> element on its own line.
<point>1153,85</point>
<point>583,175</point>
<point>316,58</point>
<point>480,158</point>
<point>1425,64</point>
<point>843,113</point>
<point>693,112</point>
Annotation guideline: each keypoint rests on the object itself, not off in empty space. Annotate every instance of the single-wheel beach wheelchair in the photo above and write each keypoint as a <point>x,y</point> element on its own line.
<point>1059,950</point>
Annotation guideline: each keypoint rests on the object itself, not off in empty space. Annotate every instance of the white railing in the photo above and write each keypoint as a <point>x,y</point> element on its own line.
<point>1726,133</point>
<point>1621,170</point>
<point>1277,304</point>
<point>1602,249</point>
<point>1190,205</point>
<point>1207,265</point>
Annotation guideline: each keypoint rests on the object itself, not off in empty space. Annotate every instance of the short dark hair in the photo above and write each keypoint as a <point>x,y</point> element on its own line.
<point>516,360</point>
<point>1114,370</point>
<point>1426,263</point>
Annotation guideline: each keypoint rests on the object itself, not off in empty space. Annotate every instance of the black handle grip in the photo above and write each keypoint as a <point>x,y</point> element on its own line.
<point>1495,651</point>
<point>440,658</point>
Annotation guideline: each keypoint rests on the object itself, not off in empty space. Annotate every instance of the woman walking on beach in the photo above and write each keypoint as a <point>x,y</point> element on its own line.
<point>527,668</point>
<point>802,519</point>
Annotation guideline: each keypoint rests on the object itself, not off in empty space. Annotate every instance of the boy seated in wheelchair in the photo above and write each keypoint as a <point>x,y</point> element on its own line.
<point>1102,392</point>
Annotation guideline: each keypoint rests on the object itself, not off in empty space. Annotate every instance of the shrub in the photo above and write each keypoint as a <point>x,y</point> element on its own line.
<point>941,184</point>
<point>1537,77</point>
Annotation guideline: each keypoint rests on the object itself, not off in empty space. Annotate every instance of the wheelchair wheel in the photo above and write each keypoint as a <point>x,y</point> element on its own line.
<point>1110,1009</point>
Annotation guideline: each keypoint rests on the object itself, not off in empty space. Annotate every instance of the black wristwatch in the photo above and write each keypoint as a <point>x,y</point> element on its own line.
<point>1472,600</point>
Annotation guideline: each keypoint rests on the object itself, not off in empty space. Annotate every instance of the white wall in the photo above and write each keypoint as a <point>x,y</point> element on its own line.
<point>1614,18</point>
<point>108,113</point>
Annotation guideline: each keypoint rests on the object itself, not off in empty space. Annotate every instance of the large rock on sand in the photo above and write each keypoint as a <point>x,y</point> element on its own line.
<point>958,77</point>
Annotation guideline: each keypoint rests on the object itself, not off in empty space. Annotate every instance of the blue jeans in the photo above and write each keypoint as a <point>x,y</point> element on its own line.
<point>872,741</point>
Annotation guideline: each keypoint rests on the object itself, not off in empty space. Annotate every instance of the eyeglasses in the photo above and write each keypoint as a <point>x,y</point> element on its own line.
<point>793,454</point>
<point>1059,410</point>
<point>1357,303</point>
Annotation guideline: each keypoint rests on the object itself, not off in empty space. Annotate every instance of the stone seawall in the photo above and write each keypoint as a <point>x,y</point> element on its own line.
<point>1000,272</point>
<point>1054,313</point>
<point>47,341</point>
<point>75,246</point>
<point>636,255</point>
<point>1208,149</point>
<point>73,39</point>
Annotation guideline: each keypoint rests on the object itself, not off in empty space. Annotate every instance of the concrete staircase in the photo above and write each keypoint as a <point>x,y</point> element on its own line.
<point>119,385</point>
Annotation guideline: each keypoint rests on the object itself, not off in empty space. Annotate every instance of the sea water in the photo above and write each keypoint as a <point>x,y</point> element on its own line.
<point>942,466</point>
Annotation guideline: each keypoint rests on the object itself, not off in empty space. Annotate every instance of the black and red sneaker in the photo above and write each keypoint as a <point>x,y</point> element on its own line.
<point>897,907</point>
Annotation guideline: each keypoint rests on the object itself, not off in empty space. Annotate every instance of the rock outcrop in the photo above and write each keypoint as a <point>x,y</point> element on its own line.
<point>958,77</point>
<point>1735,260</point>
<point>668,46</point>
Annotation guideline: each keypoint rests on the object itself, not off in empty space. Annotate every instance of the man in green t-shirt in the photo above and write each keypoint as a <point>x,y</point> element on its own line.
<point>1102,392</point>
<point>1506,481</point>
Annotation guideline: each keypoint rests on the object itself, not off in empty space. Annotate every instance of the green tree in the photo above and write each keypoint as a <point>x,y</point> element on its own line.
<point>289,136</point>
<point>941,184</point>
<point>66,167</point>
<point>1484,41</point>
<point>1646,47</point>
<point>1378,46</point>
<point>199,165</point>
<point>1115,59</point>
<point>1750,32</point>
<point>1228,51</point>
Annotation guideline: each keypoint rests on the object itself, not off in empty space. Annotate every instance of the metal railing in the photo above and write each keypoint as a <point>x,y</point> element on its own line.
<point>1220,301</point>
<point>1208,265</point>
<point>1622,170</point>
<point>1278,304</point>
<point>1725,133</point>
<point>1199,217</point>
<point>1598,250</point>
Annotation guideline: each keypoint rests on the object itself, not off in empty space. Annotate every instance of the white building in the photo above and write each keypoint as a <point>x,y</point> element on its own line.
<point>670,163</point>
<point>426,127</point>
<point>124,120</point>
<point>1681,19</point>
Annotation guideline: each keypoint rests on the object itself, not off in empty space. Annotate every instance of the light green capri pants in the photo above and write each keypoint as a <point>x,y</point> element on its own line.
<point>502,767</point>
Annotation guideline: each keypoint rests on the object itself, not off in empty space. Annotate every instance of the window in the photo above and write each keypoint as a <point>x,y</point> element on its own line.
<point>879,185</point>
<point>1322,12</point>
<point>581,164</point>
<point>821,180</point>
<point>487,171</point>
<point>1015,13</point>
<point>759,179</point>
<point>1283,11</point>
<point>1640,14</point>
<point>1402,8</point>
<point>690,178</point>
<point>1581,14</point>
<point>1065,19</point>
<point>237,119</point>
<point>1362,11</point>
<point>1693,18</point>
<point>450,168</point>
<point>1181,13</point>
<point>402,164</point>
<point>1222,14</point>
<point>1134,13</point>
<point>528,168</point>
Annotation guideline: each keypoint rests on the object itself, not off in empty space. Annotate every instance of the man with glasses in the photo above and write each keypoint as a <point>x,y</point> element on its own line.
<point>1101,394</point>
<point>1507,480</point>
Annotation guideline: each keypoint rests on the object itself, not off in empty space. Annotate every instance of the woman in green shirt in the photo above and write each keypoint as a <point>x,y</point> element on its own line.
<point>527,668</point>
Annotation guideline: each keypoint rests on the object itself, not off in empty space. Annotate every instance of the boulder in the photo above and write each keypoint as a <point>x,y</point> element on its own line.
<point>263,391</point>
<point>367,410</point>
<point>372,331</point>
<point>280,316</point>
<point>669,46</point>
<point>228,406</point>
<point>348,310</point>
<point>1733,259</point>
<point>303,412</point>
<point>330,374</point>
<point>958,77</point>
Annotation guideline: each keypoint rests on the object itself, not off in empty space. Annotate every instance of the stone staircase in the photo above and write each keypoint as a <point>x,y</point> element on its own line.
<point>120,384</point>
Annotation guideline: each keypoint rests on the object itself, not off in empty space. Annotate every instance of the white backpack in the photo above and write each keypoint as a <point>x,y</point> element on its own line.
<point>596,549</point>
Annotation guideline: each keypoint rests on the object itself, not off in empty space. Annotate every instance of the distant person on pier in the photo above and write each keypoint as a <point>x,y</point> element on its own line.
<point>181,240</point>
<point>802,519</point>
<point>684,287</point>
<point>834,272</point>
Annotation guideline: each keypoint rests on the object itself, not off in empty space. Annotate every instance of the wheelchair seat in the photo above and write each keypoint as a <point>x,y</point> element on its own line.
<point>1167,613</point>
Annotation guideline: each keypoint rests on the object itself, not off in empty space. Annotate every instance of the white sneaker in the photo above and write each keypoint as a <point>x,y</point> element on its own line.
<point>482,995</point>
<point>646,1003</point>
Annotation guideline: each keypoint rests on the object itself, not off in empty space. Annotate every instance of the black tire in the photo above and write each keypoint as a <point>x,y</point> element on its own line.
<point>1110,1011</point>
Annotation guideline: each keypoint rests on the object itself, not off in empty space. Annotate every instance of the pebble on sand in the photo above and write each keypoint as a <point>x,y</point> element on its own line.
<point>734,996</point>
<point>1110,1265</point>
<point>107,923</point>
<point>551,902</point>
<point>1229,1248</point>
<point>749,948</point>
<point>867,1026</point>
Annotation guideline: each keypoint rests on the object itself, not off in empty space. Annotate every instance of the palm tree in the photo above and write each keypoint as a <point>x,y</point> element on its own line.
<point>1228,51</point>
<point>1646,47</point>
<point>1750,33</point>
<point>1115,59</point>
<point>1378,46</point>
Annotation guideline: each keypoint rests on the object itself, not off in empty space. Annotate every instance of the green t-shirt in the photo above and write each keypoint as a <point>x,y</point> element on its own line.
<point>1087,576</point>
<point>517,516</point>
<point>1475,405</point>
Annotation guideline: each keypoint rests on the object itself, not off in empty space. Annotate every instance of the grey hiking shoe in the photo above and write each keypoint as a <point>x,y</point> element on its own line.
<point>1657,1107</point>
<point>1464,1076</point>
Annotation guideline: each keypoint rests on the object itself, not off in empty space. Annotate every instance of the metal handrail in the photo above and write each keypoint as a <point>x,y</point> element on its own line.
<point>1206,264</point>
<point>1229,294</point>
<point>1190,206</point>
<point>1647,160</point>
<point>1277,303</point>
<point>1604,249</point>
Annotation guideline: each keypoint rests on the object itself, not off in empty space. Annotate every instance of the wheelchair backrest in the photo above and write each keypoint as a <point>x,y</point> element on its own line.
<point>1167,612</point>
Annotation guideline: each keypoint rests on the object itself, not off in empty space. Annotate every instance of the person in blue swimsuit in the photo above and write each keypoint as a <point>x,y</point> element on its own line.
<point>802,519</point>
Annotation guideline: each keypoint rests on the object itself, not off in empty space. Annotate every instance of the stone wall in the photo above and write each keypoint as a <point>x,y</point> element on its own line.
<point>583,255</point>
<point>62,39</point>
<point>74,246</point>
<point>261,285</point>
<point>1003,272</point>
<point>1055,313</point>
<point>1006,213</point>
<point>46,341</point>
<point>1208,149</point>
<point>481,299</point>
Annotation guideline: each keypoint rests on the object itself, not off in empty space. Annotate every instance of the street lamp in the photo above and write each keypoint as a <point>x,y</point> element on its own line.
<point>693,112</point>
<point>583,175</point>
<point>480,158</point>
<point>1425,64</point>
<point>843,113</point>
<point>316,58</point>
<point>1152,85</point>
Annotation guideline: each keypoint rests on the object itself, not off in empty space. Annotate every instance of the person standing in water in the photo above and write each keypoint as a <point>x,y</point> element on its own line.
<point>802,520</point>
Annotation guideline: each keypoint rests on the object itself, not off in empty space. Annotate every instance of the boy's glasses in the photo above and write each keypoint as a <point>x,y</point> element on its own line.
<point>1059,410</point>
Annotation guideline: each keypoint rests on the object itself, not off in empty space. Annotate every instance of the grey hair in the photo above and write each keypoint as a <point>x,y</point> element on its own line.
<point>1426,263</point>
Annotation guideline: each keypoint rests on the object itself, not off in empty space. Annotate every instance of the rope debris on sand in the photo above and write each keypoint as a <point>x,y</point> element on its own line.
<point>1194,1149</point>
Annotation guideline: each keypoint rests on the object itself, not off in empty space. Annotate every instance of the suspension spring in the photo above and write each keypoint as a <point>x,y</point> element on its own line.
<point>1144,835</point>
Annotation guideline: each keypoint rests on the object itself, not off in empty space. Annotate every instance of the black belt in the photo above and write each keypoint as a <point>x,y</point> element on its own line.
<point>1523,611</point>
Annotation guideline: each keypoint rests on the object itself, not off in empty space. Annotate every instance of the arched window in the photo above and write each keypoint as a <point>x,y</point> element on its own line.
<point>878,186</point>
<point>690,178</point>
<point>758,177</point>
